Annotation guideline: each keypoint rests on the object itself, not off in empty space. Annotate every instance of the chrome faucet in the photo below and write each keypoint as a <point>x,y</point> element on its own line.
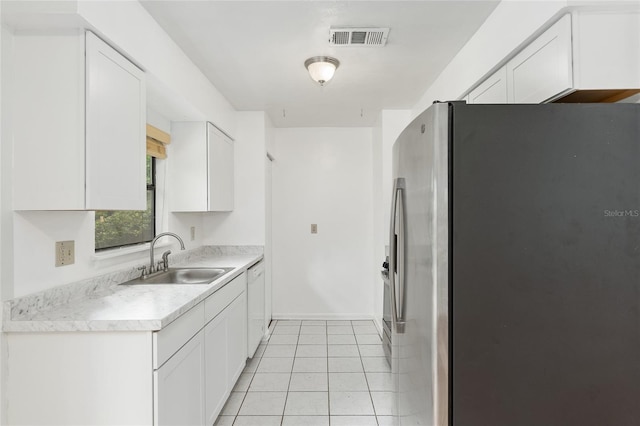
<point>165,255</point>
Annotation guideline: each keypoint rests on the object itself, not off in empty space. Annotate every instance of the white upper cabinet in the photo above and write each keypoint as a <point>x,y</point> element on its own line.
<point>491,91</point>
<point>79,125</point>
<point>543,68</point>
<point>586,56</point>
<point>201,162</point>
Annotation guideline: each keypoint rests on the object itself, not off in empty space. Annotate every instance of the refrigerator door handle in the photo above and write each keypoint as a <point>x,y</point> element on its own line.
<point>396,256</point>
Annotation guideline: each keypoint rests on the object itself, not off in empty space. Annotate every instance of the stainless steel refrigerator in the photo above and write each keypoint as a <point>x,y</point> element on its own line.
<point>515,266</point>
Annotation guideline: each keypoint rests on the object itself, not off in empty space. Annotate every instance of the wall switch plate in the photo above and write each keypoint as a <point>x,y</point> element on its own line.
<point>314,228</point>
<point>65,253</point>
<point>193,233</point>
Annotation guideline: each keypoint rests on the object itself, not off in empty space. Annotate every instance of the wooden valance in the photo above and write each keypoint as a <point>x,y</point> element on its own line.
<point>156,141</point>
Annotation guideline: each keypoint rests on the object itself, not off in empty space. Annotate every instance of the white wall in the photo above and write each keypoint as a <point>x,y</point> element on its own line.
<point>245,225</point>
<point>323,176</point>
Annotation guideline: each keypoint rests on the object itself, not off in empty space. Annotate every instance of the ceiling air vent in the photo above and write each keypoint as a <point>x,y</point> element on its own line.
<point>372,37</point>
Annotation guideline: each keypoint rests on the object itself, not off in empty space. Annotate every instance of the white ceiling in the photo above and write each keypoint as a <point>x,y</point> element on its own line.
<point>253,52</point>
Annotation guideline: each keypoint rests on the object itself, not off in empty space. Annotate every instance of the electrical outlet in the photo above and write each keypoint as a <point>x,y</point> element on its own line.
<point>314,228</point>
<point>193,233</point>
<point>65,253</point>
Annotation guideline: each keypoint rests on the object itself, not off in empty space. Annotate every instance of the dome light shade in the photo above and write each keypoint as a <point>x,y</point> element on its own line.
<point>321,68</point>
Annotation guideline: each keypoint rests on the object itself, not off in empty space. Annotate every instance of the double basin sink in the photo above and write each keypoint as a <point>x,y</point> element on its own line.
<point>182,276</point>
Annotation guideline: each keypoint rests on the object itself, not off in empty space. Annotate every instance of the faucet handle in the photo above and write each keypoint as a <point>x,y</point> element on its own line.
<point>165,259</point>
<point>144,270</point>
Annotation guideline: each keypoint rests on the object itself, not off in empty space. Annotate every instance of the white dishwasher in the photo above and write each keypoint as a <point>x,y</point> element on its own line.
<point>255,305</point>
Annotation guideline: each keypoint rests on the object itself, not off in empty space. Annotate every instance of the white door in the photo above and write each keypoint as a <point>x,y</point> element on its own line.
<point>221,179</point>
<point>179,395</point>
<point>236,314</point>
<point>115,130</point>
<point>215,338</point>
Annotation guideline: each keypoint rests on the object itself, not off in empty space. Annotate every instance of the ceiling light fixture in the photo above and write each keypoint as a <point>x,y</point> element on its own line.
<point>321,68</point>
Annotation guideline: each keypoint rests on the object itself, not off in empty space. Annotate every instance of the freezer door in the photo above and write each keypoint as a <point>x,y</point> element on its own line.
<point>419,262</point>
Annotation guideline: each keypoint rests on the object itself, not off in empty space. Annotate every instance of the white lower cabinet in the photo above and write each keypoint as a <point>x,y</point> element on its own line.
<point>192,386</point>
<point>224,362</point>
<point>179,394</point>
<point>216,367</point>
<point>180,375</point>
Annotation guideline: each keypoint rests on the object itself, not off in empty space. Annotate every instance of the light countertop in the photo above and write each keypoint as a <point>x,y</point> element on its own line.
<point>146,307</point>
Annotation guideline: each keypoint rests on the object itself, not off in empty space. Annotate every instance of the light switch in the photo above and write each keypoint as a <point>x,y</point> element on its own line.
<point>314,228</point>
<point>193,233</point>
<point>65,253</point>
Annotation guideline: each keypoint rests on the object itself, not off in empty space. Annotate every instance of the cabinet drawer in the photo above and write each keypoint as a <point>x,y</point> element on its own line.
<point>219,300</point>
<point>167,341</point>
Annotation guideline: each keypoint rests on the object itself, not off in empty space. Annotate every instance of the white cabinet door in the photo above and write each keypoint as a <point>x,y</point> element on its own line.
<point>79,125</point>
<point>217,388</point>
<point>115,130</point>
<point>236,314</point>
<point>255,307</point>
<point>221,182</point>
<point>491,91</point>
<point>179,395</point>
<point>543,69</point>
<point>201,168</point>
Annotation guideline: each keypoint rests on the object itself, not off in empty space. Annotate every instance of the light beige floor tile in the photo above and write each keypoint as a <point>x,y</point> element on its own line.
<point>310,365</point>
<point>368,339</point>
<point>341,339</point>
<point>233,404</point>
<point>270,382</point>
<point>350,403</point>
<point>353,421</point>
<point>340,382</point>
<point>313,329</point>
<point>375,365</point>
<point>339,329</point>
<point>258,421</point>
<point>311,351</point>
<point>345,365</point>
<point>316,382</point>
<point>338,322</point>
<point>283,339</point>
<point>371,350</point>
<point>362,322</point>
<point>380,381</point>
<point>263,404</point>
<point>280,351</point>
<point>313,322</point>
<point>386,421</point>
<point>286,329</point>
<point>365,329</point>
<point>307,404</point>
<point>343,351</point>
<point>289,322</point>
<point>305,421</point>
<point>312,339</point>
<point>383,403</point>
<point>275,365</point>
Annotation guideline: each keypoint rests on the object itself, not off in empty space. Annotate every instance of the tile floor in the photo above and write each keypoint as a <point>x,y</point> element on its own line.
<point>314,373</point>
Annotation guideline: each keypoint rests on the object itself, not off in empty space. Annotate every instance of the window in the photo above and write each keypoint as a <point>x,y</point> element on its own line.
<point>123,228</point>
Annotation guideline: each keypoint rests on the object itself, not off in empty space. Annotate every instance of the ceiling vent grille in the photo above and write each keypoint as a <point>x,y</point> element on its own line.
<point>371,37</point>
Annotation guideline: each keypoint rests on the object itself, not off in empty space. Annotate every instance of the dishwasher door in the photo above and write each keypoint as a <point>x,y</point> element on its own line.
<point>255,302</point>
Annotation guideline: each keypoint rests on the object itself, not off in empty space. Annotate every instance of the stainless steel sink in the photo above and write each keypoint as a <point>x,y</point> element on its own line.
<point>183,276</point>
